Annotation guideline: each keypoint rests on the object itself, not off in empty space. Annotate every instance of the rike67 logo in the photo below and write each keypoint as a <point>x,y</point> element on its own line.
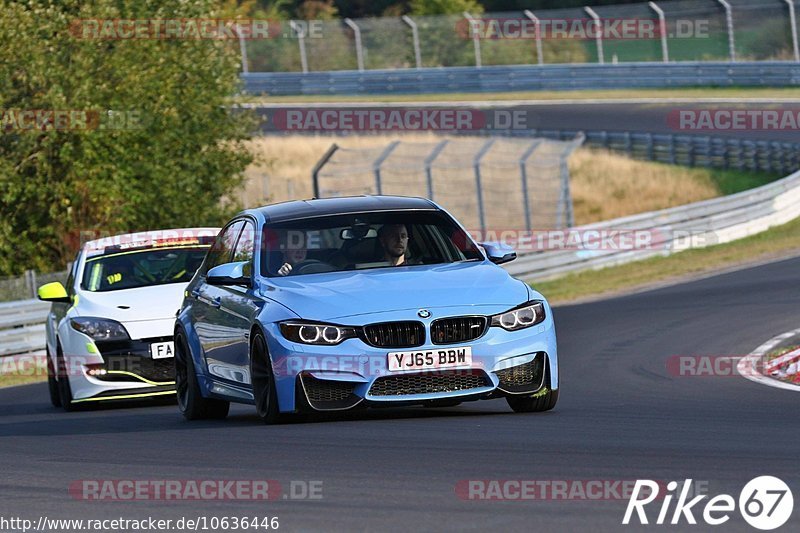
<point>765,503</point>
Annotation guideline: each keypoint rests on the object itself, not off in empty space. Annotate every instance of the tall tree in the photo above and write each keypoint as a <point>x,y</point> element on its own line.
<point>161,148</point>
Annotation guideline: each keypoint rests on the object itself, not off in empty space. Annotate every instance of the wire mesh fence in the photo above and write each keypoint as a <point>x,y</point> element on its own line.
<point>495,182</point>
<point>668,30</point>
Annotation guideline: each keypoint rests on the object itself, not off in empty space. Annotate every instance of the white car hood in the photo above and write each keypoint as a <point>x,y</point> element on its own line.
<point>158,302</point>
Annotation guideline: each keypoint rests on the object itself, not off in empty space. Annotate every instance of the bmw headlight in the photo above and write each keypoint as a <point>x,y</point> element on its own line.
<point>100,329</point>
<point>525,316</point>
<point>319,334</point>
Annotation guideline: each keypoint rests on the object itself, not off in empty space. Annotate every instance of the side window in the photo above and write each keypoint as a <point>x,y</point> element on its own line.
<point>244,247</point>
<point>220,252</point>
<point>71,278</point>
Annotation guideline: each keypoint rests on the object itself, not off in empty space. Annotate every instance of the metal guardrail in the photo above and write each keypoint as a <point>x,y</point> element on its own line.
<point>22,326</point>
<point>697,225</point>
<point>525,78</point>
<point>690,150</point>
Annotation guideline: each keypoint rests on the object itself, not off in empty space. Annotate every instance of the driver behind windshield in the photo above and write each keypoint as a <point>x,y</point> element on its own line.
<point>394,241</point>
<point>295,252</point>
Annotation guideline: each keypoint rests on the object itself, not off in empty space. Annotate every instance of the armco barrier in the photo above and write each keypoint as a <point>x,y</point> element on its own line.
<point>22,326</point>
<point>525,78</point>
<point>714,221</point>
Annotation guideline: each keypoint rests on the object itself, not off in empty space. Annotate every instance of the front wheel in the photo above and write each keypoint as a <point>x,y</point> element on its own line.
<point>263,379</point>
<point>191,402</point>
<point>541,401</point>
<point>62,385</point>
<point>52,384</point>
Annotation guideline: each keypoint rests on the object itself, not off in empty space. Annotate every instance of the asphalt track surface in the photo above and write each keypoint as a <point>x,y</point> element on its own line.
<point>621,416</point>
<point>652,117</point>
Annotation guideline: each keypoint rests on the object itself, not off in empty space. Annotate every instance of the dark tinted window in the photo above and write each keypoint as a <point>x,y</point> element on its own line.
<point>244,246</point>
<point>362,241</point>
<point>222,249</point>
<point>141,268</point>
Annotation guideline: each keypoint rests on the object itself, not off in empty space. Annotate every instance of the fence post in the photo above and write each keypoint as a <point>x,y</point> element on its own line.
<point>34,288</point>
<point>580,138</point>
<point>242,49</point>
<point>662,24</point>
<point>301,39</point>
<point>321,163</point>
<point>476,39</point>
<point>671,139</point>
<point>429,163</point>
<point>793,21</point>
<point>376,165</point>
<point>476,163</point>
<point>537,36</point>
<point>599,38</point>
<point>359,52</point>
<point>729,22</point>
<point>415,39</point>
<point>523,174</point>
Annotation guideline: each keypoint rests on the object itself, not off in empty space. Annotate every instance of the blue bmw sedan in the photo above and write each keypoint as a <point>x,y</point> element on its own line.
<point>341,303</point>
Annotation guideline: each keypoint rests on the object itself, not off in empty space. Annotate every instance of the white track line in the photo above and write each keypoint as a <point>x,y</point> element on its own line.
<point>748,365</point>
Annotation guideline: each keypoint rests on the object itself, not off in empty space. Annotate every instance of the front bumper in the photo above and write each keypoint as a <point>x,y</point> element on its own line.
<point>118,370</point>
<point>353,373</point>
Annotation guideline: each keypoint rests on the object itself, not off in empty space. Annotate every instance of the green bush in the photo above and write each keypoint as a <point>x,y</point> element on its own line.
<point>178,153</point>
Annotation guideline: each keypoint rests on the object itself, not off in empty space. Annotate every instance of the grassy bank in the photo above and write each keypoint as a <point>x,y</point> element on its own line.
<point>781,241</point>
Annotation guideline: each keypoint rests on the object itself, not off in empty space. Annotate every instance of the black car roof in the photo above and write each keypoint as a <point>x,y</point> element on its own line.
<point>338,206</point>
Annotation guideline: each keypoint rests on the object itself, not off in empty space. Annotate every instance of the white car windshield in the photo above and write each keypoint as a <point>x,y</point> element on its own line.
<point>132,269</point>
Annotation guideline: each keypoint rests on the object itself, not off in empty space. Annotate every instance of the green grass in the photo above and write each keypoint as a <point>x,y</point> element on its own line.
<point>14,379</point>
<point>781,241</point>
<point>733,181</point>
<point>698,92</point>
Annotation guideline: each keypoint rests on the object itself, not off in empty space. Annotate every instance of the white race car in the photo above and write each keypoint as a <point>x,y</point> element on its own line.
<point>109,331</point>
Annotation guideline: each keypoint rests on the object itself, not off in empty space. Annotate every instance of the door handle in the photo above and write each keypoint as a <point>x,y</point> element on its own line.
<point>216,302</point>
<point>195,293</point>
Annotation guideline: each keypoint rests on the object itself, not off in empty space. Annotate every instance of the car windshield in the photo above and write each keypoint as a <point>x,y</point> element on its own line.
<point>363,241</point>
<point>142,268</point>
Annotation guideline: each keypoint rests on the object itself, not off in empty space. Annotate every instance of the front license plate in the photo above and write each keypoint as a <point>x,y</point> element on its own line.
<point>425,359</point>
<point>162,350</point>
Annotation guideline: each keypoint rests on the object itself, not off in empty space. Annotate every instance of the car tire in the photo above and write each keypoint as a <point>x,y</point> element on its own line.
<point>537,402</point>
<point>52,384</point>
<point>192,404</point>
<point>263,380</point>
<point>63,386</point>
<point>533,404</point>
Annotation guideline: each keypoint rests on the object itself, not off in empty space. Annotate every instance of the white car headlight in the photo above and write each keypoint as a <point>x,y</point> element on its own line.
<point>319,334</point>
<point>525,316</point>
<point>100,329</point>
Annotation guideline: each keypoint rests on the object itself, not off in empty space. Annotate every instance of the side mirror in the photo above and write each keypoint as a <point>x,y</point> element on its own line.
<point>53,292</point>
<point>230,274</point>
<point>498,253</point>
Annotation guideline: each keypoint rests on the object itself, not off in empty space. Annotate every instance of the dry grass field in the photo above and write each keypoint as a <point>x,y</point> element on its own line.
<point>604,185</point>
